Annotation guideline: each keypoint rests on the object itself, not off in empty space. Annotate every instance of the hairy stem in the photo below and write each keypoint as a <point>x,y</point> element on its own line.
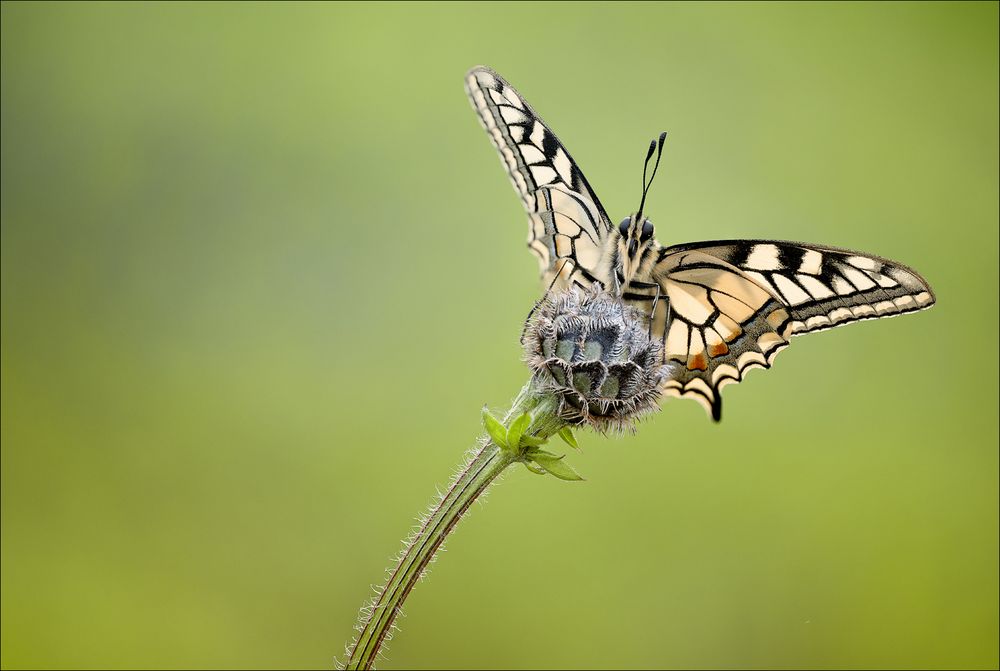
<point>487,461</point>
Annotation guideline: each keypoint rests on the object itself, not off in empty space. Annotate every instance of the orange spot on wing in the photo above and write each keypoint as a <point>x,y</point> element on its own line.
<point>697,362</point>
<point>718,349</point>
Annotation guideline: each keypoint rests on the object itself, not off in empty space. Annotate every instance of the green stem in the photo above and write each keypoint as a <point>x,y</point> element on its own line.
<point>486,463</point>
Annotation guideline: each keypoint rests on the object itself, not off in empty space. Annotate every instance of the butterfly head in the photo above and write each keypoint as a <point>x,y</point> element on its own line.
<point>635,233</point>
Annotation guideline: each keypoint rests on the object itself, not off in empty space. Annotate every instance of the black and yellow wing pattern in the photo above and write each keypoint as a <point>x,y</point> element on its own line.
<point>567,223</point>
<point>732,305</point>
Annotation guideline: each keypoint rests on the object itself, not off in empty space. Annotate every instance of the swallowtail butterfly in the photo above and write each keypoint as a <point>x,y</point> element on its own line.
<point>720,308</point>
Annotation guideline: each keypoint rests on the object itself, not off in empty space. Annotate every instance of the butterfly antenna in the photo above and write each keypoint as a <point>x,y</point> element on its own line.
<point>656,145</point>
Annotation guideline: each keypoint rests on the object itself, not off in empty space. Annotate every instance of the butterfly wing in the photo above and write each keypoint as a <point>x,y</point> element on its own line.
<point>567,223</point>
<point>733,305</point>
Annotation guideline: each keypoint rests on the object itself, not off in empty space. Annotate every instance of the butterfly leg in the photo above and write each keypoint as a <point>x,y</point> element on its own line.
<point>663,337</point>
<point>652,311</point>
<point>546,295</point>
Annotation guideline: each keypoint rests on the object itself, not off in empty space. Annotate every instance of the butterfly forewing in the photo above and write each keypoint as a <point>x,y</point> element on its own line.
<point>822,286</point>
<point>567,223</point>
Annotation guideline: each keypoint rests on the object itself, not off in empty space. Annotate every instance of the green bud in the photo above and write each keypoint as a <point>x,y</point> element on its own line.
<point>594,353</point>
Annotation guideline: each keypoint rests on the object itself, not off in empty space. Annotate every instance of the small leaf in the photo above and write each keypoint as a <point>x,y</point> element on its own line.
<point>533,452</point>
<point>557,467</point>
<point>516,430</point>
<point>566,434</point>
<point>532,441</point>
<point>496,430</point>
<point>536,471</point>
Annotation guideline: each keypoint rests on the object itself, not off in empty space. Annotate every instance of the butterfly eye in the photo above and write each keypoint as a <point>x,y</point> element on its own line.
<point>623,227</point>
<point>647,230</point>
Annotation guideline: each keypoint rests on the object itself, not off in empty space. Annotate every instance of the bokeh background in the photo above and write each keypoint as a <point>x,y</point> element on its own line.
<point>261,268</point>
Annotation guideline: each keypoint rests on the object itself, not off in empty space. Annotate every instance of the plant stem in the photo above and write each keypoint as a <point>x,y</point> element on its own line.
<point>482,468</point>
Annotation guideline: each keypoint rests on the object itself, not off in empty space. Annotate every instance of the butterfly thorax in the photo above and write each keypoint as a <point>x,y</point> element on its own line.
<point>631,253</point>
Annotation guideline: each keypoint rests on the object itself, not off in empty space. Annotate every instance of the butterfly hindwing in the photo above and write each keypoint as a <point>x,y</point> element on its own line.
<point>567,223</point>
<point>733,305</point>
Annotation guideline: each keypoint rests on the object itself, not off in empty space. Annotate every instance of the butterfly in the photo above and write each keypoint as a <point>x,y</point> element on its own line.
<point>719,308</point>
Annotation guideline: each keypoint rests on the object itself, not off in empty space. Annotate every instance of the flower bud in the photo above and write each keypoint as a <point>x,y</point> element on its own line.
<point>594,353</point>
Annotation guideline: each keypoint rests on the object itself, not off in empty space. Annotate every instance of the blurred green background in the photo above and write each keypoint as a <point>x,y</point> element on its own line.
<point>261,268</point>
